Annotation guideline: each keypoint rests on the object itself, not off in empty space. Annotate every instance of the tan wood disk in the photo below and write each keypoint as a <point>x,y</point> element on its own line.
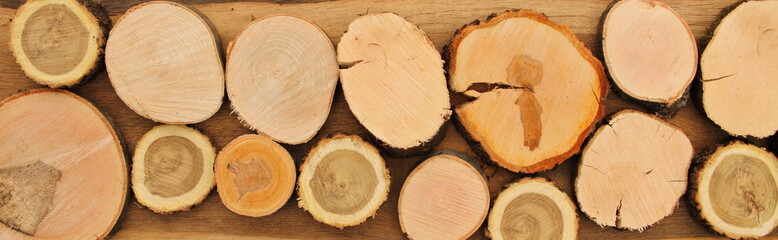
<point>633,171</point>
<point>59,43</point>
<point>446,197</point>
<point>393,80</point>
<point>164,61</point>
<point>534,91</point>
<point>172,169</point>
<point>281,77</point>
<point>533,208</point>
<point>254,176</point>
<point>343,181</point>
<point>739,70</point>
<point>734,190</point>
<point>651,54</point>
<point>63,174</point>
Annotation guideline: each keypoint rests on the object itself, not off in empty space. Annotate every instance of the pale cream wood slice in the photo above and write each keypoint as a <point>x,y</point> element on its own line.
<point>533,208</point>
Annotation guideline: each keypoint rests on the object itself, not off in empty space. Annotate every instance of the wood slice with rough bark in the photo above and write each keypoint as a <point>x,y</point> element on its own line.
<point>532,90</point>
<point>734,190</point>
<point>651,54</point>
<point>164,61</point>
<point>393,80</point>
<point>533,208</point>
<point>63,174</point>
<point>254,175</point>
<point>445,197</point>
<point>739,71</point>
<point>633,171</point>
<point>343,181</point>
<point>172,169</point>
<point>281,77</point>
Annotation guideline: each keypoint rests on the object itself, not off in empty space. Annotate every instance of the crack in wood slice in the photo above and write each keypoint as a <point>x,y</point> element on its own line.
<point>533,208</point>
<point>27,195</point>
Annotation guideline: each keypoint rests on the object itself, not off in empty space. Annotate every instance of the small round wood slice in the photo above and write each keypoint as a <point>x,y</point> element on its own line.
<point>533,208</point>
<point>392,78</point>
<point>172,169</point>
<point>63,174</point>
<point>445,197</point>
<point>534,89</point>
<point>651,54</point>
<point>281,77</point>
<point>254,176</point>
<point>343,181</point>
<point>738,69</point>
<point>633,171</point>
<point>734,190</point>
<point>59,43</point>
<point>164,62</point>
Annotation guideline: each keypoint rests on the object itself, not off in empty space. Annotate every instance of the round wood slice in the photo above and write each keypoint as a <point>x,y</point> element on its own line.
<point>343,181</point>
<point>734,190</point>
<point>651,54</point>
<point>633,171</point>
<point>172,169</point>
<point>63,174</point>
<point>281,77</point>
<point>739,72</point>
<point>254,176</point>
<point>164,62</point>
<point>533,208</point>
<point>445,197</point>
<point>534,89</point>
<point>59,43</point>
<point>392,78</point>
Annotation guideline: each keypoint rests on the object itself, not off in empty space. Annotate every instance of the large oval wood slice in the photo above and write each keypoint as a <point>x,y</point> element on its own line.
<point>533,208</point>
<point>633,171</point>
<point>393,82</point>
<point>739,71</point>
<point>651,54</point>
<point>534,89</point>
<point>164,62</point>
<point>63,174</point>
<point>59,43</point>
<point>281,77</point>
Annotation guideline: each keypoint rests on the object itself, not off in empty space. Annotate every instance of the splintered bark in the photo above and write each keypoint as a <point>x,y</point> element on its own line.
<point>739,73</point>
<point>281,76</point>
<point>445,197</point>
<point>394,83</point>
<point>254,176</point>
<point>633,171</point>
<point>651,54</point>
<point>533,208</point>
<point>532,90</point>
<point>734,190</point>
<point>63,174</point>
<point>164,62</point>
<point>172,169</point>
<point>59,43</point>
<point>343,181</point>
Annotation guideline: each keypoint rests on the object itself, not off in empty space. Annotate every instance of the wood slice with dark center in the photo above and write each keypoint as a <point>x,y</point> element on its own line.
<point>533,208</point>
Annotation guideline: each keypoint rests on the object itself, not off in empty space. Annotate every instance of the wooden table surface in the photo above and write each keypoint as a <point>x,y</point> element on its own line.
<point>439,19</point>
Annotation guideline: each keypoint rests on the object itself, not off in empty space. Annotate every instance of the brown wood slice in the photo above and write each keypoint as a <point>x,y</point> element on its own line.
<point>254,176</point>
<point>393,81</point>
<point>172,169</point>
<point>734,190</point>
<point>445,197</point>
<point>63,174</point>
<point>59,43</point>
<point>343,181</point>
<point>738,69</point>
<point>281,76</point>
<point>534,89</point>
<point>651,54</point>
<point>165,64</point>
<point>633,171</point>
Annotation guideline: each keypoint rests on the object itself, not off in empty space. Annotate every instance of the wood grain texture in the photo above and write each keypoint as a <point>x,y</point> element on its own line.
<point>439,19</point>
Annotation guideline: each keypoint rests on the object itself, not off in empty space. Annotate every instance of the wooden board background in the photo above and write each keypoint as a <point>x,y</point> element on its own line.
<point>439,18</point>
